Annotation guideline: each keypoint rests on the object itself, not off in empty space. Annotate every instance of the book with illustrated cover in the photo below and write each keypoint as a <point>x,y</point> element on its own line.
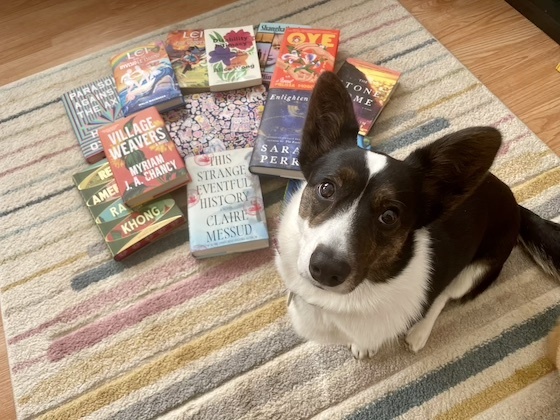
<point>370,87</point>
<point>145,77</point>
<point>124,230</point>
<point>305,53</point>
<point>225,204</point>
<point>217,121</point>
<point>89,107</point>
<point>233,61</point>
<point>187,52</point>
<point>269,39</point>
<point>277,145</point>
<point>143,158</point>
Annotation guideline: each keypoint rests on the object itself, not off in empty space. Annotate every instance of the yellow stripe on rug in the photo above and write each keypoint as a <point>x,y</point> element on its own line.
<point>151,372</point>
<point>535,186</point>
<point>500,390</point>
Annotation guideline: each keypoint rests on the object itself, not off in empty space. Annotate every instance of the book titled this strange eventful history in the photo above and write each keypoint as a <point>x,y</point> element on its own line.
<point>145,77</point>
<point>304,55</point>
<point>88,108</point>
<point>143,158</point>
<point>370,87</point>
<point>225,204</point>
<point>232,57</point>
<point>187,52</point>
<point>124,230</point>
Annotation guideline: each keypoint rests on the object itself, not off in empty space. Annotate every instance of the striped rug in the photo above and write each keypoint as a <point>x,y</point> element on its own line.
<point>164,335</point>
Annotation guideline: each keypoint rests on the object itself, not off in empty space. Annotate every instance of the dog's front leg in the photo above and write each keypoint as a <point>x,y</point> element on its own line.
<point>361,353</point>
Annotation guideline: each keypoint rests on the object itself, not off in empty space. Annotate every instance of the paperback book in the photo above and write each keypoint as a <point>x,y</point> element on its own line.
<point>124,230</point>
<point>217,121</point>
<point>304,55</point>
<point>225,205</point>
<point>144,77</point>
<point>143,158</point>
<point>370,87</point>
<point>269,39</point>
<point>88,108</point>
<point>233,62</point>
<point>187,52</point>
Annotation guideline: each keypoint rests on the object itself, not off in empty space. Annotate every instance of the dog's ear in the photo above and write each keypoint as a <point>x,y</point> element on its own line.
<point>330,121</point>
<point>453,166</point>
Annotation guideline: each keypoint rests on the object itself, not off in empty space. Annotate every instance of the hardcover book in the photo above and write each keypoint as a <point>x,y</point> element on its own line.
<point>89,107</point>
<point>304,55</point>
<point>217,121</point>
<point>277,145</point>
<point>269,39</point>
<point>370,87</point>
<point>233,62</point>
<point>144,77</point>
<point>143,158</point>
<point>187,52</point>
<point>124,230</point>
<point>225,205</point>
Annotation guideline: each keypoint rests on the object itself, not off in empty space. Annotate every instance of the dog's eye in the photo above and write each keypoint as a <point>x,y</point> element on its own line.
<point>389,217</point>
<point>326,189</point>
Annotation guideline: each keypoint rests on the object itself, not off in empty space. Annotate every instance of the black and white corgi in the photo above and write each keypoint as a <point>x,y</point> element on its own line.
<point>371,247</point>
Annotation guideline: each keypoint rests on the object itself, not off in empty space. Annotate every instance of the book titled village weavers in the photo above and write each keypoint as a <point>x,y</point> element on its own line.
<point>145,77</point>
<point>88,108</point>
<point>143,158</point>
<point>225,204</point>
<point>124,230</point>
<point>187,52</point>
<point>304,55</point>
<point>233,61</point>
<point>370,87</point>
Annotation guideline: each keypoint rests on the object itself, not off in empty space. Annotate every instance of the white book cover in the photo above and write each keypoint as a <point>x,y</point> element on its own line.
<point>232,57</point>
<point>225,204</point>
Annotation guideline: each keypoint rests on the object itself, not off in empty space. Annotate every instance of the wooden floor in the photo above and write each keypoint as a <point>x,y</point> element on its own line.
<point>512,57</point>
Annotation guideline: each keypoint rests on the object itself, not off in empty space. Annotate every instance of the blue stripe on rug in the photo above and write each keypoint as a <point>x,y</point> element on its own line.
<point>471,363</point>
<point>406,139</point>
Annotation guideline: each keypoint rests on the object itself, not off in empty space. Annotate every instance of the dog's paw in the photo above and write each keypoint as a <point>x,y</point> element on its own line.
<point>417,336</point>
<point>360,353</point>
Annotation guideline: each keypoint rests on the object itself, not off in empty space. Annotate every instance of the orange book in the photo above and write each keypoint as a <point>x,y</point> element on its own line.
<point>305,53</point>
<point>143,158</point>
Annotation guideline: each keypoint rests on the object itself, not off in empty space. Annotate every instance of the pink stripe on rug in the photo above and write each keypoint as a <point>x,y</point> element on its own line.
<point>507,145</point>
<point>26,148</point>
<point>211,279</point>
<point>505,119</point>
<point>41,159</point>
<point>384,25</point>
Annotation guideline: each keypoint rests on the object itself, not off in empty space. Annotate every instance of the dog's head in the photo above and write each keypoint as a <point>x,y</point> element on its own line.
<point>359,209</point>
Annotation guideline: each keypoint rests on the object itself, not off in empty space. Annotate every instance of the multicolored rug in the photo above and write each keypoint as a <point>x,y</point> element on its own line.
<point>164,335</point>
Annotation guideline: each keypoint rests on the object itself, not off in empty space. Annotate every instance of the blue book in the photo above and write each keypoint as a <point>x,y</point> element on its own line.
<point>225,204</point>
<point>144,77</point>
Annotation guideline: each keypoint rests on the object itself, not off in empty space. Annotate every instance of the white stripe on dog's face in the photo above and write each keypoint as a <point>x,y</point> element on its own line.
<point>333,233</point>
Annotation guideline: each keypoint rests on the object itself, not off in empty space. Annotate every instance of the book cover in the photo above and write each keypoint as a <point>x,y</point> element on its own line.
<point>144,77</point>
<point>225,205</point>
<point>269,39</point>
<point>370,87</point>
<point>277,145</point>
<point>304,54</point>
<point>217,121</point>
<point>233,62</point>
<point>124,230</point>
<point>187,52</point>
<point>142,156</point>
<point>88,108</point>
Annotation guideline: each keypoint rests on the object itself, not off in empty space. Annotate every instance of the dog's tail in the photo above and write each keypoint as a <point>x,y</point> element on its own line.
<point>541,238</point>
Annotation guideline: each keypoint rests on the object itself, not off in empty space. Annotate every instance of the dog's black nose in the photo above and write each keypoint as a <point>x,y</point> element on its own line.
<point>326,268</point>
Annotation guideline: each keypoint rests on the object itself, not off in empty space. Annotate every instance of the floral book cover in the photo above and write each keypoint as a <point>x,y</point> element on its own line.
<point>145,77</point>
<point>370,87</point>
<point>233,61</point>
<point>225,204</point>
<point>217,121</point>
<point>269,39</point>
<point>124,230</point>
<point>187,51</point>
<point>88,108</point>
<point>304,55</point>
<point>142,156</point>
